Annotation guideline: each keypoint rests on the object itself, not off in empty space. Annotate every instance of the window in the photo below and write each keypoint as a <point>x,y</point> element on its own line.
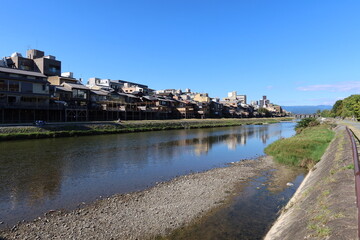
<point>11,99</point>
<point>3,85</point>
<point>28,99</point>
<point>24,67</point>
<point>26,87</point>
<point>54,69</point>
<point>2,98</point>
<point>14,86</point>
<point>64,96</point>
<point>78,93</point>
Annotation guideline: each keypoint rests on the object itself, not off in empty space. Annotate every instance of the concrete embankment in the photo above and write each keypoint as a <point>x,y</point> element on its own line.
<point>146,214</point>
<point>54,130</point>
<point>324,206</point>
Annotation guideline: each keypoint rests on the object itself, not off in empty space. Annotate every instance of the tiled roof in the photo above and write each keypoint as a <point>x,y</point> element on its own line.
<point>99,92</point>
<point>21,72</point>
<point>78,86</point>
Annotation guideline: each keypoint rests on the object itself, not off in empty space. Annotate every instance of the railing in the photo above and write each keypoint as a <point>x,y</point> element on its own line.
<point>24,104</point>
<point>31,106</point>
<point>71,107</point>
<point>357,174</point>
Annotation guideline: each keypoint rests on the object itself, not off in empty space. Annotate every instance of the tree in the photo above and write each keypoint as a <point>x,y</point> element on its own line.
<point>326,113</point>
<point>264,112</point>
<point>348,107</point>
<point>336,111</point>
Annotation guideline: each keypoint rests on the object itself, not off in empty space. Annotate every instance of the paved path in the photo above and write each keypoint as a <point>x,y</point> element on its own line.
<point>354,126</point>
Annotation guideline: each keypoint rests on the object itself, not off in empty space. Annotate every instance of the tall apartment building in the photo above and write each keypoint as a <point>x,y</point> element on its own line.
<point>35,61</point>
<point>234,97</point>
<point>264,102</point>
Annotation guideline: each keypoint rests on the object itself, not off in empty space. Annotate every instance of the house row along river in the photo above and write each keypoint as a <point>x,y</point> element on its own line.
<point>47,174</point>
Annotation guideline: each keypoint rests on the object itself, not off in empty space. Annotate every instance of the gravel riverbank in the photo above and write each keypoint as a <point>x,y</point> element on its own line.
<point>145,214</point>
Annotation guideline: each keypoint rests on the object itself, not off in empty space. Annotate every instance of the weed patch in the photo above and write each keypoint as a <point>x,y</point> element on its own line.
<point>304,149</point>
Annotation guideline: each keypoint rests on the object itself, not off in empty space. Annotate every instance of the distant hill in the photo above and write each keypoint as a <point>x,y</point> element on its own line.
<point>306,109</point>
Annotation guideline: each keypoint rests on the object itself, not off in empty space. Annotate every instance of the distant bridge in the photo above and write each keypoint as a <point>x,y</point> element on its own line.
<point>299,116</point>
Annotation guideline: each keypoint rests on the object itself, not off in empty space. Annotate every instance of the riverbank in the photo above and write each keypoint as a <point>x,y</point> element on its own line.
<point>304,149</point>
<point>146,214</point>
<point>55,130</point>
<point>324,206</point>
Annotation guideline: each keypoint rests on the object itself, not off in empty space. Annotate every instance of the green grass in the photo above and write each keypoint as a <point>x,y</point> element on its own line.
<point>350,166</point>
<point>304,149</point>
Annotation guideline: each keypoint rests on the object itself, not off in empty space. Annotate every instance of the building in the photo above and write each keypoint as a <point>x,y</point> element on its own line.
<point>216,109</point>
<point>119,86</point>
<point>234,97</point>
<point>264,102</point>
<point>106,84</point>
<point>23,95</point>
<point>35,61</point>
<point>69,92</point>
<point>33,88</point>
<point>202,98</point>
<point>254,103</point>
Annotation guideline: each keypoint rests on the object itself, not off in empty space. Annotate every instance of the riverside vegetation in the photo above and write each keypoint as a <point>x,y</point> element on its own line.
<point>84,129</point>
<point>304,149</point>
<point>347,108</point>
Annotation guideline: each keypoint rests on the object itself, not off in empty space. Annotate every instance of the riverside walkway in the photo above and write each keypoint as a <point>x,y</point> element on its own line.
<point>324,206</point>
<point>354,126</point>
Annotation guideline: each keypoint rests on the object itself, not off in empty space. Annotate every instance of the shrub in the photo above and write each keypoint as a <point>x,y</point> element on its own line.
<point>306,122</point>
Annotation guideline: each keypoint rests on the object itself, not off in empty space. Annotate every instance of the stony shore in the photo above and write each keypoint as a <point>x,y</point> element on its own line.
<point>146,214</point>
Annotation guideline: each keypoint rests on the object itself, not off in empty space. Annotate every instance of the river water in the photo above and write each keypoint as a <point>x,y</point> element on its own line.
<point>47,174</point>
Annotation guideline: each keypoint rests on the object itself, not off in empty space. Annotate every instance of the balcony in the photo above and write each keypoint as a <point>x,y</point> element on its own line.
<point>76,107</point>
<point>25,105</point>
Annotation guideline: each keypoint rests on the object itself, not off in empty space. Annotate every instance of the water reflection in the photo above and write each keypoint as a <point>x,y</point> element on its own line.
<point>40,175</point>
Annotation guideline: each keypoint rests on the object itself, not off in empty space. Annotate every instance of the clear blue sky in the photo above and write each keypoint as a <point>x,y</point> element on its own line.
<point>296,52</point>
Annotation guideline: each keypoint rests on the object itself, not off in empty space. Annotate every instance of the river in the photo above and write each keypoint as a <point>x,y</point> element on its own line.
<point>47,174</point>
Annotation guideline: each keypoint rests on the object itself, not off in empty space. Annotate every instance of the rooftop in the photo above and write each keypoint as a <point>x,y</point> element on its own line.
<point>21,72</point>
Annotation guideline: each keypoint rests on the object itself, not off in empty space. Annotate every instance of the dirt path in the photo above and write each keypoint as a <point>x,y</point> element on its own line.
<point>144,214</point>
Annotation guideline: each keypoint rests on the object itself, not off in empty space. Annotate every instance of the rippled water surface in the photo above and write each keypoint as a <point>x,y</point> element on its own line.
<point>41,175</point>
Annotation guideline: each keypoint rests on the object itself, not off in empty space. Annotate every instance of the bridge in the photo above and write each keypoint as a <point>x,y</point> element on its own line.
<point>300,116</point>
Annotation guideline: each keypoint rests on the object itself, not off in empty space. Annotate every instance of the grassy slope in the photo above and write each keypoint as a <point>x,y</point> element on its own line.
<point>304,149</point>
<point>82,129</point>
